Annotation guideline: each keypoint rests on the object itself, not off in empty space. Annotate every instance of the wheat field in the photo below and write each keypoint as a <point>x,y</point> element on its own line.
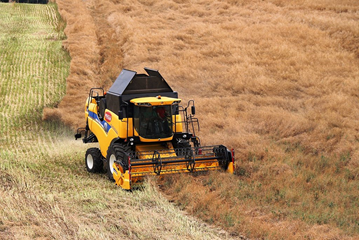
<point>45,191</point>
<point>275,80</point>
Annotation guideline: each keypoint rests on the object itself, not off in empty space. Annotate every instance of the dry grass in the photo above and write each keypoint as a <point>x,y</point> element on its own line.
<point>276,80</point>
<point>45,191</point>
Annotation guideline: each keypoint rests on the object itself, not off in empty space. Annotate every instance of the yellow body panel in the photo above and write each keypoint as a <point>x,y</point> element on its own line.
<point>122,127</point>
<point>177,123</point>
<point>155,101</point>
<point>93,107</point>
<point>103,138</point>
<point>155,140</point>
<point>168,150</point>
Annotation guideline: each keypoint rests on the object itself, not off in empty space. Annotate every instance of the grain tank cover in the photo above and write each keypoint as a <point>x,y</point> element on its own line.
<point>131,83</point>
<point>121,83</point>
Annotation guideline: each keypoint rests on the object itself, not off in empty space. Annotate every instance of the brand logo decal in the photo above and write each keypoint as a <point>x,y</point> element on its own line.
<point>108,117</point>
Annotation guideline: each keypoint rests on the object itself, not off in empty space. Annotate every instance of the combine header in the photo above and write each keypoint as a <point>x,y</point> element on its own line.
<point>142,130</point>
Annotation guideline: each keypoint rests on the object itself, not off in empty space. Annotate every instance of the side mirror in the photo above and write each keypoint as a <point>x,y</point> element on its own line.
<point>193,110</point>
<point>120,115</point>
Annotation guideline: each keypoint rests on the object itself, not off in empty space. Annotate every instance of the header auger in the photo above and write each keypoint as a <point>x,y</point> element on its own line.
<point>142,130</point>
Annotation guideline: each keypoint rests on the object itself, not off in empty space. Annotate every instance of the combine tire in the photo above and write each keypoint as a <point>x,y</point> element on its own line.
<point>117,153</point>
<point>93,160</point>
<point>224,156</point>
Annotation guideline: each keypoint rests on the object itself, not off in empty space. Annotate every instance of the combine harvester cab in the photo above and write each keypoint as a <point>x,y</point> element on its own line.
<point>142,130</point>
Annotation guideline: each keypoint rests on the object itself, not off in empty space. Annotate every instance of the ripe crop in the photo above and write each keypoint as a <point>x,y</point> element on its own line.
<point>274,79</point>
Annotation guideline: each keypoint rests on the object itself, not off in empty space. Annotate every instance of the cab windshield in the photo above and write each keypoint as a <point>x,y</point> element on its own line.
<point>153,122</point>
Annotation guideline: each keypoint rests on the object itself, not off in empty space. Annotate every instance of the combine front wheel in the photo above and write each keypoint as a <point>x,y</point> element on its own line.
<point>93,160</point>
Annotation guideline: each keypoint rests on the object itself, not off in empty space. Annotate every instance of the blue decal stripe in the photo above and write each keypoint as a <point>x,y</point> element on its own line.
<point>103,123</point>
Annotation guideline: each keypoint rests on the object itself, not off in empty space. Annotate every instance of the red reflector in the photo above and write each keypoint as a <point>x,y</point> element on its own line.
<point>200,151</point>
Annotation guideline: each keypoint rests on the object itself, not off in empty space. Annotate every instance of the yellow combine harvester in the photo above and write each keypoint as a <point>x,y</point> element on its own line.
<point>142,130</point>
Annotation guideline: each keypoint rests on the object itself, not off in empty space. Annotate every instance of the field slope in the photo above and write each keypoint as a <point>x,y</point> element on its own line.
<point>45,191</point>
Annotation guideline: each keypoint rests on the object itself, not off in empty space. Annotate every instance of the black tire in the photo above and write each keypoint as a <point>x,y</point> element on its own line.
<point>224,156</point>
<point>118,152</point>
<point>93,160</point>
